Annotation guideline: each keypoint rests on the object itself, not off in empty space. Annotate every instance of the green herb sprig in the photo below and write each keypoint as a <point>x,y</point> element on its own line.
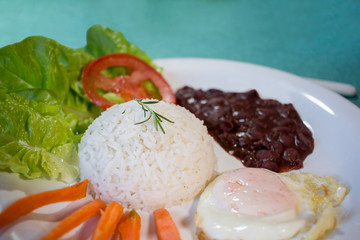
<point>158,118</point>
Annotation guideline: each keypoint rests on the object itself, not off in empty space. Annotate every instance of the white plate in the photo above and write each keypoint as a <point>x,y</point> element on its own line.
<point>335,123</point>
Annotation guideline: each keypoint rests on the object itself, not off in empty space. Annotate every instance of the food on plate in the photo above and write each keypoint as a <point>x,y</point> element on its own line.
<point>36,137</point>
<point>86,212</point>
<point>148,154</point>
<point>165,226</point>
<point>29,203</point>
<point>126,86</point>
<point>129,226</point>
<point>108,221</point>
<point>44,110</point>
<point>255,203</point>
<point>260,132</point>
<point>111,224</point>
<point>140,166</point>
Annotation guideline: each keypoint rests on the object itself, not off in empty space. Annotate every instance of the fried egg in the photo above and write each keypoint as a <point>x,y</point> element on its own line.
<point>254,203</point>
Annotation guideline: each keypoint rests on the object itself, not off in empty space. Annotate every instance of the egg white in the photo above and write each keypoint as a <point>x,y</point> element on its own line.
<point>313,213</point>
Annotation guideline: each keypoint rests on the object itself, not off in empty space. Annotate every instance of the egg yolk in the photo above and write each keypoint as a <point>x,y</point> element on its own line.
<point>253,192</point>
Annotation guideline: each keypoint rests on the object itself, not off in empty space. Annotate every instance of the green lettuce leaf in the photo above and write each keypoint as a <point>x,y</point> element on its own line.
<point>35,138</point>
<point>39,62</point>
<point>43,108</point>
<point>102,41</point>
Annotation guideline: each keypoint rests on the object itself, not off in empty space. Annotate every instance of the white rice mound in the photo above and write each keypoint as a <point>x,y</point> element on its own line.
<point>142,168</point>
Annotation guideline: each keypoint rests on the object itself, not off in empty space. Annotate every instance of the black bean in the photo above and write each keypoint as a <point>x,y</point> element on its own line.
<point>291,156</point>
<point>287,139</point>
<point>260,132</point>
<point>303,142</point>
<point>270,165</point>
<point>265,111</point>
<point>278,130</point>
<point>217,101</point>
<point>286,122</point>
<point>277,148</point>
<point>256,134</point>
<point>214,91</point>
<point>260,124</point>
<point>264,155</point>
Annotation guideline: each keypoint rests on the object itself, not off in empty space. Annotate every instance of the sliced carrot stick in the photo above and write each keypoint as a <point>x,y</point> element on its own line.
<point>108,221</point>
<point>29,203</point>
<point>165,225</point>
<point>76,218</point>
<point>129,226</point>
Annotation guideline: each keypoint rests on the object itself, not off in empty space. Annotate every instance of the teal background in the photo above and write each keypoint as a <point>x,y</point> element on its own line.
<point>319,39</point>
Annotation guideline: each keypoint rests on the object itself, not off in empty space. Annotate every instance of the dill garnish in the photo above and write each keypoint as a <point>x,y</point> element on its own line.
<point>158,118</point>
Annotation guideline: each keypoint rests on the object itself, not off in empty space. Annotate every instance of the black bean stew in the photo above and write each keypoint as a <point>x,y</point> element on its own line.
<point>261,133</point>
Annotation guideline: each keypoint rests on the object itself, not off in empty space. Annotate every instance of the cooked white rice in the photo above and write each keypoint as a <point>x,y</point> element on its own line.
<point>140,167</point>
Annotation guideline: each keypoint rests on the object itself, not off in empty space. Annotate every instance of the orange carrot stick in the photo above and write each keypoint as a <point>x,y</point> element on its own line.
<point>108,221</point>
<point>76,218</point>
<point>129,226</point>
<point>29,203</point>
<point>165,226</point>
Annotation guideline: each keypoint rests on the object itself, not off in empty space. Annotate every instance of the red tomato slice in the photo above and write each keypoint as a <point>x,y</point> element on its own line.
<point>126,86</point>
